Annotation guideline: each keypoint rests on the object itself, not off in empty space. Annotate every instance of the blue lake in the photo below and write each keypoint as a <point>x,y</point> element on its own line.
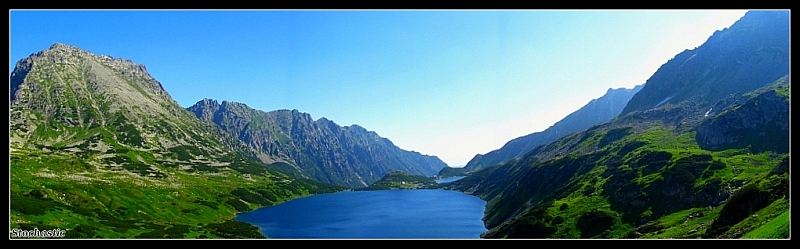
<point>419,213</point>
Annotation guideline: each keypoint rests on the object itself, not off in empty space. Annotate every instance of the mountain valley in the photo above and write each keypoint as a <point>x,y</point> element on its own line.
<point>100,149</point>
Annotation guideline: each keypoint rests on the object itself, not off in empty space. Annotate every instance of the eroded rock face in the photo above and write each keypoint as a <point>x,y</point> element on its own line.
<point>318,149</point>
<point>761,123</point>
<point>750,54</point>
<point>98,107</point>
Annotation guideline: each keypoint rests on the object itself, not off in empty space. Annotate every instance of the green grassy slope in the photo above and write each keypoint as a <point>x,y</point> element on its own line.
<point>645,179</point>
<point>99,149</point>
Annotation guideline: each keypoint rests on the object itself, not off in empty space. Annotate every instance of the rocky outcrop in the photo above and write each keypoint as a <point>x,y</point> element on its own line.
<point>752,53</point>
<point>98,107</point>
<point>318,149</point>
<point>761,123</point>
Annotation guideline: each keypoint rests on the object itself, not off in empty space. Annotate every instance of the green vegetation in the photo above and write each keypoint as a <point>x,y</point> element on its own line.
<point>103,163</point>
<point>314,149</point>
<point>776,228</point>
<point>594,223</point>
<point>647,184</point>
<point>98,162</point>
<point>401,180</point>
<point>451,172</point>
<point>114,204</point>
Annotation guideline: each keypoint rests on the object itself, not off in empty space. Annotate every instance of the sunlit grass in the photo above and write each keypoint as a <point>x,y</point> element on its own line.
<point>121,204</point>
<point>768,223</point>
<point>777,228</point>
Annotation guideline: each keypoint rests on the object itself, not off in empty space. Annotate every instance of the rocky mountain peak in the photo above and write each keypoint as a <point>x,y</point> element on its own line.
<point>321,150</point>
<point>64,47</point>
<point>750,54</point>
<point>210,102</point>
<point>597,111</point>
<point>205,108</point>
<point>68,70</point>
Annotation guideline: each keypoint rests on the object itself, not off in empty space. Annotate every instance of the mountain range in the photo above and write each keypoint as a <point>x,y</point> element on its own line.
<point>99,148</point>
<point>597,111</point>
<point>316,149</point>
<point>701,151</point>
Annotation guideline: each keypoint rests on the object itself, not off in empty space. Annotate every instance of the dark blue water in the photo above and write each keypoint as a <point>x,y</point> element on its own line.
<point>420,213</point>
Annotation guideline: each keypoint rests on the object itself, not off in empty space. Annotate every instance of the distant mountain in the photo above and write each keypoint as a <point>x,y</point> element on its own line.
<point>704,153</point>
<point>597,111</point>
<point>451,172</point>
<point>100,149</point>
<point>320,150</point>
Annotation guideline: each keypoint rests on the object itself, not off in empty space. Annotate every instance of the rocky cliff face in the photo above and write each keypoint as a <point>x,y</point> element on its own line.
<point>760,123</point>
<point>78,74</point>
<point>752,53</point>
<point>597,111</point>
<point>318,149</point>
<point>65,97</point>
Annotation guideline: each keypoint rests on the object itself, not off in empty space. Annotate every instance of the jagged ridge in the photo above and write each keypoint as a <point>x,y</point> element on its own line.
<point>99,149</point>
<point>597,111</point>
<point>663,169</point>
<point>321,150</point>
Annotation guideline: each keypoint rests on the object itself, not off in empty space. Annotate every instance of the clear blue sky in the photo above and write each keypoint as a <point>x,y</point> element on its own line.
<point>446,83</point>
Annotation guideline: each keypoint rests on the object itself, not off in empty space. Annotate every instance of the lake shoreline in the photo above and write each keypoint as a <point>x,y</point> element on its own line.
<point>378,214</point>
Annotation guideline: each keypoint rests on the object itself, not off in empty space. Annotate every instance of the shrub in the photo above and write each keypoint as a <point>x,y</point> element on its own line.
<point>234,229</point>
<point>177,231</point>
<point>530,227</point>
<point>158,233</point>
<point>614,135</point>
<point>238,205</point>
<point>557,220</point>
<point>81,231</point>
<point>652,161</point>
<point>744,202</point>
<point>268,194</point>
<point>250,197</point>
<point>212,205</point>
<point>631,146</point>
<point>679,176</point>
<point>594,223</point>
<point>30,205</point>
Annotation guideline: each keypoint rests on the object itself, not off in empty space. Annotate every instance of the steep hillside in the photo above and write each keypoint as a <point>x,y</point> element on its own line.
<point>663,172</point>
<point>738,59</point>
<point>99,149</point>
<point>320,150</point>
<point>597,111</point>
<point>757,123</point>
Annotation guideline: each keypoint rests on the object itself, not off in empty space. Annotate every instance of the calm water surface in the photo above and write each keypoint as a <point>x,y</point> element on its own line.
<point>419,213</point>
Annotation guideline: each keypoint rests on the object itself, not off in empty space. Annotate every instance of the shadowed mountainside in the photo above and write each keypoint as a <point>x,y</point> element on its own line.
<point>669,166</point>
<point>317,149</point>
<point>597,111</point>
